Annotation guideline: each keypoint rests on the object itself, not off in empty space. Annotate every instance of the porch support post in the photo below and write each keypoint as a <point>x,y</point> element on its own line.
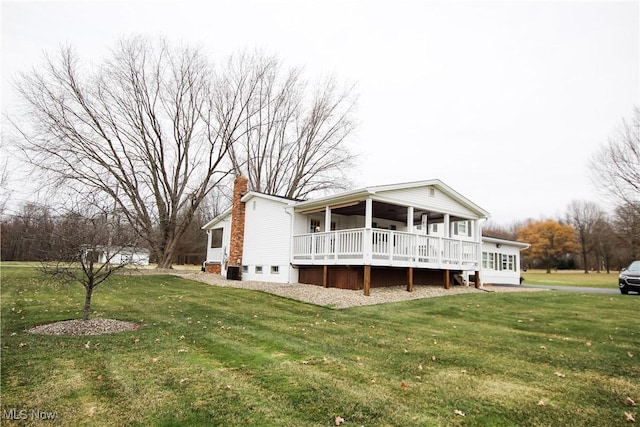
<point>447,226</point>
<point>327,229</point>
<point>447,280</point>
<point>410,219</point>
<point>479,240</point>
<point>367,280</point>
<point>367,244</point>
<point>327,219</point>
<point>410,279</point>
<point>478,281</point>
<point>325,276</point>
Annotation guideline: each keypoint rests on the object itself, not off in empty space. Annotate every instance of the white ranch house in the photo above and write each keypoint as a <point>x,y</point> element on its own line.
<point>413,233</point>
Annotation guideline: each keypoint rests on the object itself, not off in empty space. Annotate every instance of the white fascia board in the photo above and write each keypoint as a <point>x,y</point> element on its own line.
<point>335,199</point>
<point>216,220</point>
<point>520,245</point>
<point>252,194</point>
<point>366,192</point>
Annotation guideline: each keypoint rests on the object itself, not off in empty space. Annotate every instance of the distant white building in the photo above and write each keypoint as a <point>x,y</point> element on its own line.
<point>119,255</point>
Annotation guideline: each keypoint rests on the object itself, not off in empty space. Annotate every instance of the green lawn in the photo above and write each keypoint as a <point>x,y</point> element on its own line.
<point>571,278</point>
<point>224,356</point>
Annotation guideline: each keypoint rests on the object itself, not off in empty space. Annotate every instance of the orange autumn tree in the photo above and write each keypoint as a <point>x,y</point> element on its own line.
<point>549,241</point>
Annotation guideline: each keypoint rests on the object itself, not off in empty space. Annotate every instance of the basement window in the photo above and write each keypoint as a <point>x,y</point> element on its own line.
<point>258,269</point>
<point>245,268</point>
<point>275,269</point>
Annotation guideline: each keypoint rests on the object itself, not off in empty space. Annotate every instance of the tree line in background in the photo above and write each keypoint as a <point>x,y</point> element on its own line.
<point>41,233</point>
<point>587,238</point>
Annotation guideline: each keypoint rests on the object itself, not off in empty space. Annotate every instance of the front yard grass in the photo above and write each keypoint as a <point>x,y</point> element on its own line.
<point>223,356</point>
<point>571,278</point>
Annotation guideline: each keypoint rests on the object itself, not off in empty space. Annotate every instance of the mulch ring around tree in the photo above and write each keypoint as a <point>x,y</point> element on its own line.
<point>85,327</point>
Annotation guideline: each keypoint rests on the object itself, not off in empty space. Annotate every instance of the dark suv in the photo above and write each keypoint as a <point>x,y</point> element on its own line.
<point>630,278</point>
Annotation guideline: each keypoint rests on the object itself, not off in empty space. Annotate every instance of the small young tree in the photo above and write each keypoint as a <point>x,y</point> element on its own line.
<point>89,252</point>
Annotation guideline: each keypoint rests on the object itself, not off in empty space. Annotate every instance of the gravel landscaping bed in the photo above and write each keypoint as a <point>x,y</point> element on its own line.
<point>342,298</point>
<point>85,327</point>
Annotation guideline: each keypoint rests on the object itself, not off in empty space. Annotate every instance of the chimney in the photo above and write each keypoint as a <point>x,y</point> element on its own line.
<point>240,186</point>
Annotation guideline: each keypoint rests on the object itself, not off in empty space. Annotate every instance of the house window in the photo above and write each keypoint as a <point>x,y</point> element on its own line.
<point>275,269</point>
<point>315,226</point>
<point>258,269</point>
<point>461,228</point>
<point>245,268</point>
<point>508,262</point>
<point>216,238</point>
<point>489,260</point>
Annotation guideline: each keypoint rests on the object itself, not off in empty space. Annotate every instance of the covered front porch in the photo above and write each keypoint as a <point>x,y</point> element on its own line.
<point>360,240</point>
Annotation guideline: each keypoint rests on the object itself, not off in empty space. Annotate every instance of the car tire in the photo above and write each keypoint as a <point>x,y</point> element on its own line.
<point>624,291</point>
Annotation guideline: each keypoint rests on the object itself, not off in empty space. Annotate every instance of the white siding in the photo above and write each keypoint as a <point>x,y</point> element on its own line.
<point>301,224</point>
<point>267,240</point>
<point>421,197</point>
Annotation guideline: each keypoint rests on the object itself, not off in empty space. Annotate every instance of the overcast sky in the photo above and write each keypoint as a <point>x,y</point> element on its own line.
<point>503,101</point>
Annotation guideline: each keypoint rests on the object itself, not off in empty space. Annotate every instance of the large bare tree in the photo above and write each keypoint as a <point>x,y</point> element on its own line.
<point>616,166</point>
<point>150,127</point>
<point>293,139</point>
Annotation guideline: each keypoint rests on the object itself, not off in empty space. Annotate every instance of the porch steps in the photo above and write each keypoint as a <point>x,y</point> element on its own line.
<point>459,279</point>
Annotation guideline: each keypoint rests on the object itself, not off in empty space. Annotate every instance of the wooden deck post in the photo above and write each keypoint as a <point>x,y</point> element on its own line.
<point>367,280</point>
<point>410,279</point>
<point>325,276</point>
<point>478,282</point>
<point>447,280</point>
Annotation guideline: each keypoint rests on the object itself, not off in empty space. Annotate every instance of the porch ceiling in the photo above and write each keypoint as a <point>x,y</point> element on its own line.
<point>389,212</point>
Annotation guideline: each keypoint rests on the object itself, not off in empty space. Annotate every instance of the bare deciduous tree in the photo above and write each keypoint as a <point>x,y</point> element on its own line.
<point>585,216</point>
<point>627,226</point>
<point>292,142</point>
<point>156,130</point>
<point>4,177</point>
<point>606,244</point>
<point>616,166</point>
<point>144,128</point>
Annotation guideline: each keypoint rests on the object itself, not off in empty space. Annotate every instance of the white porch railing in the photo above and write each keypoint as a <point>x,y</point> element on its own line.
<point>384,247</point>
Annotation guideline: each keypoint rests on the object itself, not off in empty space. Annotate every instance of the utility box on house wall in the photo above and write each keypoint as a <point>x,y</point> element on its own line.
<point>233,273</point>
